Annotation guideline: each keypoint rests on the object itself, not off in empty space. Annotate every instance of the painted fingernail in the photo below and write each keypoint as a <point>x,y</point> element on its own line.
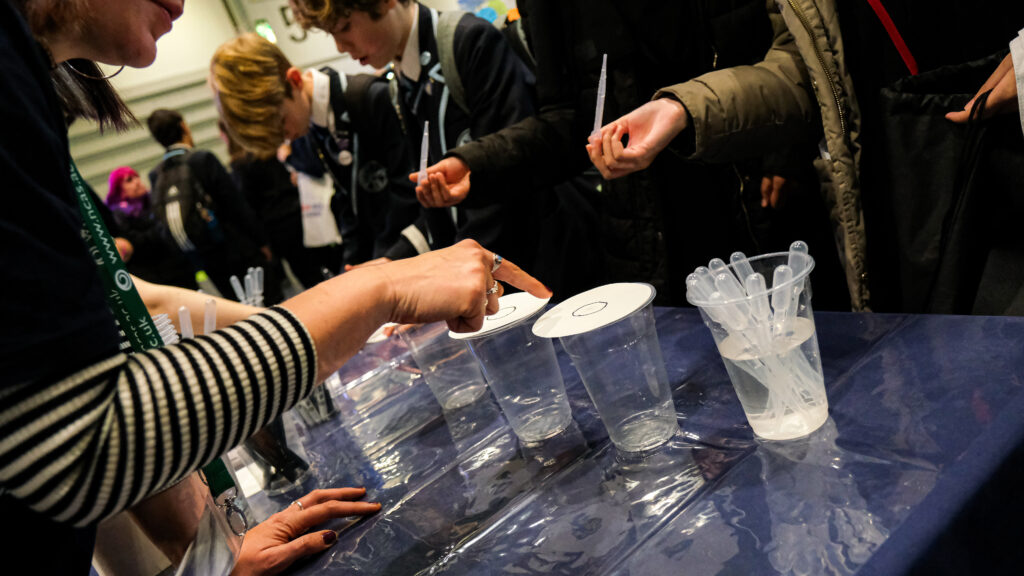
<point>330,537</point>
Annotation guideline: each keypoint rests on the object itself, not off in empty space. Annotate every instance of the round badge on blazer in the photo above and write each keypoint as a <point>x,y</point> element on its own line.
<point>345,158</point>
<point>424,58</point>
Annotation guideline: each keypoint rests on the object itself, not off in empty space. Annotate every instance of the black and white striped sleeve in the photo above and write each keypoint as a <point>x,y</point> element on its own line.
<point>83,448</point>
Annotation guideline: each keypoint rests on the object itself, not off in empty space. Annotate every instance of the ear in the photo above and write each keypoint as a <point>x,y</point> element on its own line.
<point>294,77</point>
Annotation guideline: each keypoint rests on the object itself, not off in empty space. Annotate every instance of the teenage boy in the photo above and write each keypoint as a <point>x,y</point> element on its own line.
<point>264,101</point>
<point>459,73</point>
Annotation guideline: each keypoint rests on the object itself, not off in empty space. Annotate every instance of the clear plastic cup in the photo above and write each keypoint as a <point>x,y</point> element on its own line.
<point>772,358</point>
<point>521,368</point>
<point>448,366</point>
<point>609,333</point>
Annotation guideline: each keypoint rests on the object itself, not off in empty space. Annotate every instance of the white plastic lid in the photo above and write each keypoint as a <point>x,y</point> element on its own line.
<point>594,309</point>
<point>513,308</point>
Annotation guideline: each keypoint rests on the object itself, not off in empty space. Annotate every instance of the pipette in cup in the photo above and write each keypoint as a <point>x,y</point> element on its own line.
<point>741,266</point>
<point>602,85</point>
<point>250,287</point>
<point>210,316</point>
<point>782,300</point>
<point>236,285</point>
<point>424,153</point>
<point>798,253</point>
<point>258,286</point>
<point>718,266</point>
<point>185,320</point>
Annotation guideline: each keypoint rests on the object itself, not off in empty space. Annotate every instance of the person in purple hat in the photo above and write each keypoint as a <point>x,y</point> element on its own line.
<point>141,236</point>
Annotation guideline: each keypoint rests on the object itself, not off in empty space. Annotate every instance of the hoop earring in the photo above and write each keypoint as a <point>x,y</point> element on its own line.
<point>90,76</point>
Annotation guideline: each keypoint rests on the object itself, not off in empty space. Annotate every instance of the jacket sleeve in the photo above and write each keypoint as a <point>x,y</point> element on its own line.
<point>745,111</point>
<point>544,141</point>
<point>499,88</point>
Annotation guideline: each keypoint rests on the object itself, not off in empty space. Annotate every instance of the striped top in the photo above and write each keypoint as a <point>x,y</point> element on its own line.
<point>87,446</point>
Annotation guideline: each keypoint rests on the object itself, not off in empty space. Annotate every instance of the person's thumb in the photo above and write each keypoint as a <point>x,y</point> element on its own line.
<point>961,116</point>
<point>302,546</point>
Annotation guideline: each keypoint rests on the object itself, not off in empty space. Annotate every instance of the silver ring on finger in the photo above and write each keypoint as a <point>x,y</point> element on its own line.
<point>299,504</point>
<point>497,263</point>
<point>493,289</point>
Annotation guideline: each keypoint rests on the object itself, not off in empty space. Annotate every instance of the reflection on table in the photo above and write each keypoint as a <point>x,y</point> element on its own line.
<point>923,411</point>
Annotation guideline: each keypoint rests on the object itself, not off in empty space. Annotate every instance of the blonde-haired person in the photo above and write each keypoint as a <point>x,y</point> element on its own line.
<point>457,72</point>
<point>264,101</point>
<point>88,430</point>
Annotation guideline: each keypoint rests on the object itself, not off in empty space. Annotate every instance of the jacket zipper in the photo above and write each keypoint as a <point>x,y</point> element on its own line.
<point>821,60</point>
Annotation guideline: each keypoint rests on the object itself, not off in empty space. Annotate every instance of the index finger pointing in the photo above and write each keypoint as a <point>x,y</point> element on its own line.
<point>514,275</point>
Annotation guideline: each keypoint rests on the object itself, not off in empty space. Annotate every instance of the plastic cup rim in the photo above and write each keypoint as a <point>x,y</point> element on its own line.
<point>798,278</point>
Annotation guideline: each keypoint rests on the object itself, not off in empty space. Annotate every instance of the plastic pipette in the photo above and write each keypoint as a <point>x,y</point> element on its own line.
<point>782,298</point>
<point>602,85</point>
<point>798,257</point>
<point>250,288</point>
<point>705,279</point>
<point>424,152</point>
<point>741,266</point>
<point>236,285</point>
<point>185,320</point>
<point>258,276</point>
<point>210,316</point>
<point>798,263</point>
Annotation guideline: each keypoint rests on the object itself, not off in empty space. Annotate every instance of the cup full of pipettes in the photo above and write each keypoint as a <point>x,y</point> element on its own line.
<point>759,312</point>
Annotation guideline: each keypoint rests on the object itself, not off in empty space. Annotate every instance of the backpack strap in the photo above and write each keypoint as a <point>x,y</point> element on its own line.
<point>343,95</point>
<point>894,35</point>
<point>446,26</point>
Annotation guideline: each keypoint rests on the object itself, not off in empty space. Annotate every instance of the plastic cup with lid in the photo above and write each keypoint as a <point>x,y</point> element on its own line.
<point>521,368</point>
<point>610,335</point>
<point>448,366</point>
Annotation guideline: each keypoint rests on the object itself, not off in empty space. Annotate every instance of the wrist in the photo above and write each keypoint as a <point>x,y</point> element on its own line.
<point>678,115</point>
<point>380,283</point>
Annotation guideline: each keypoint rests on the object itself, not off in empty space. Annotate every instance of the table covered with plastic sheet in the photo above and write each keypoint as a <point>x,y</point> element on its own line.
<point>915,471</point>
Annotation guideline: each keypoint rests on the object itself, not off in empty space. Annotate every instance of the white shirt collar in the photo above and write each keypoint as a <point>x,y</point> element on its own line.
<point>321,107</point>
<point>410,65</point>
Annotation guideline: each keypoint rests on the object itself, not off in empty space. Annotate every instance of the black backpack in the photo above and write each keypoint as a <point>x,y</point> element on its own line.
<point>182,205</point>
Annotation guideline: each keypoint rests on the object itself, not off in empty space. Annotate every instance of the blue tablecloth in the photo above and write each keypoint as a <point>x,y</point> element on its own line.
<point>925,412</point>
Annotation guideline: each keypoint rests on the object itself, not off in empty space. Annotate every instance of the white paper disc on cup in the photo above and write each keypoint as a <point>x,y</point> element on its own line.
<point>513,308</point>
<point>594,309</point>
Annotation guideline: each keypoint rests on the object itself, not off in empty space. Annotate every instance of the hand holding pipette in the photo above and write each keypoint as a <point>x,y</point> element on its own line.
<point>650,128</point>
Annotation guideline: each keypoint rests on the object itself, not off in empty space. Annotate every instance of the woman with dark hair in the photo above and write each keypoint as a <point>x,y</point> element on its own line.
<point>87,430</point>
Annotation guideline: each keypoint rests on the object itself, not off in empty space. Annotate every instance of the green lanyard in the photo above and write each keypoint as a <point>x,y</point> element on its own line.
<point>122,297</point>
<point>131,314</point>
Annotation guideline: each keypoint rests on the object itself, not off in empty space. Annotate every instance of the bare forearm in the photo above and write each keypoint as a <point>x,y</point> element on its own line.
<point>161,299</point>
<point>341,313</point>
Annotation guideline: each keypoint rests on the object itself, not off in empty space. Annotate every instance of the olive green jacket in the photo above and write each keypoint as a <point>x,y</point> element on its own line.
<point>750,110</point>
